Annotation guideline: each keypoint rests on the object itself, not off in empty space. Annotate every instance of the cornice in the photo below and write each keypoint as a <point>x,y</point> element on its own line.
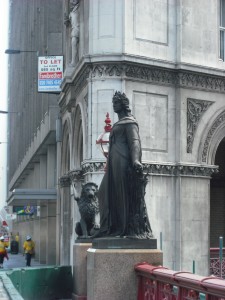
<point>180,170</point>
<point>139,72</point>
<point>162,169</point>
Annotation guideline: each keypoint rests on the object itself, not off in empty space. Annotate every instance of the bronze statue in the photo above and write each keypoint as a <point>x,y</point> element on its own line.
<point>89,210</point>
<point>121,194</point>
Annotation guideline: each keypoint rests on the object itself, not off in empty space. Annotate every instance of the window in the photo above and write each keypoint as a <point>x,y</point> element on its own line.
<point>222,29</point>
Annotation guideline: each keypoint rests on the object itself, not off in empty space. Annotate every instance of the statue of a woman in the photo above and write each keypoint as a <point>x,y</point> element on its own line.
<point>75,32</point>
<point>121,195</point>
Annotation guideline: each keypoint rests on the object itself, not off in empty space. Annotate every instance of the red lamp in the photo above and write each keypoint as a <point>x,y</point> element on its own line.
<point>103,139</point>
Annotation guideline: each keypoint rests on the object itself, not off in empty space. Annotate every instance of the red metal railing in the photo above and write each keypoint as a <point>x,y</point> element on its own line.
<point>215,267</point>
<point>159,283</point>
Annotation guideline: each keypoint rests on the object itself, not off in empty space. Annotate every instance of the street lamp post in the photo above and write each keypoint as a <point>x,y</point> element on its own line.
<point>103,139</point>
<point>17,51</point>
<point>8,112</point>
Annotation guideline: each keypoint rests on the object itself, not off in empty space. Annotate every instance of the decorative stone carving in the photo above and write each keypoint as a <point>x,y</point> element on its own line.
<point>219,120</point>
<point>90,167</point>
<point>64,181</point>
<point>76,175</point>
<point>75,32</point>
<point>149,74</point>
<point>72,4</point>
<point>179,170</point>
<point>160,169</point>
<point>195,110</point>
<point>100,70</point>
<point>114,70</point>
<point>156,169</point>
<point>68,8</point>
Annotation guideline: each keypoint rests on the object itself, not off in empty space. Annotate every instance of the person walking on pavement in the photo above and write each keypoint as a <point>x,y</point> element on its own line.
<point>17,238</point>
<point>3,252</point>
<point>28,247</point>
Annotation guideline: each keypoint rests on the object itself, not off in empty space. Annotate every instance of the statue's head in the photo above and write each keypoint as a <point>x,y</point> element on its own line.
<point>122,98</point>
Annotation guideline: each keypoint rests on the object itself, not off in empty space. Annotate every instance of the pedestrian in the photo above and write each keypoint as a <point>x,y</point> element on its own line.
<point>28,247</point>
<point>17,238</point>
<point>3,252</point>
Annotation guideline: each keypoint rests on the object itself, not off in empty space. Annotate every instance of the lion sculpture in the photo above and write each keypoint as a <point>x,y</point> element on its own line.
<point>89,211</point>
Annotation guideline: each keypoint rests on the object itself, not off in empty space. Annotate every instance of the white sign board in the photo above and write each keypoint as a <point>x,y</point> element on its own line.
<point>50,73</point>
<point>11,216</point>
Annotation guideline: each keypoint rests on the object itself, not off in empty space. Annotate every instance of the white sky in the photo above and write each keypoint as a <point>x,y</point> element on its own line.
<point>3,97</point>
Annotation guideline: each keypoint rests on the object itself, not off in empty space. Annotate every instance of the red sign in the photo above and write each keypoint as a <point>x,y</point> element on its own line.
<point>47,75</point>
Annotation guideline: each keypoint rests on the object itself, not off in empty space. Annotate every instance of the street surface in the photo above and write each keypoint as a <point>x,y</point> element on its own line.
<point>18,261</point>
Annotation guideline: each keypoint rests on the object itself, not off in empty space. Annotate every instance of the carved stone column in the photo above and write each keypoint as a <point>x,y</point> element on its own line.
<point>65,212</point>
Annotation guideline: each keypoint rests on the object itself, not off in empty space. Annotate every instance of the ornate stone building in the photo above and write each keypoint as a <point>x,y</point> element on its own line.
<point>170,64</point>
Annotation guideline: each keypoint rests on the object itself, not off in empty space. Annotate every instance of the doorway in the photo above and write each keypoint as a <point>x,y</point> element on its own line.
<point>217,198</point>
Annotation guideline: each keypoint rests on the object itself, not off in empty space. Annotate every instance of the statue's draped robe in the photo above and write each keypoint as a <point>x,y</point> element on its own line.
<point>121,205</point>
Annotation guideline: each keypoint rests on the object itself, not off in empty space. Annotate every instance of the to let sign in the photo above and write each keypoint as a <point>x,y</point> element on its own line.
<point>50,73</point>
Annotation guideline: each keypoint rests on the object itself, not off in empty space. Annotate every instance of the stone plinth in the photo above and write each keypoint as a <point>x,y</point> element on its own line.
<point>80,270</point>
<point>111,275</point>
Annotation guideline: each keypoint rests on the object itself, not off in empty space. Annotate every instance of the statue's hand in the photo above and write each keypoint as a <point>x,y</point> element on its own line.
<point>138,167</point>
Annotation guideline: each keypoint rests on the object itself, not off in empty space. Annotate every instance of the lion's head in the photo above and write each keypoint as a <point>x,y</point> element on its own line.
<point>89,190</point>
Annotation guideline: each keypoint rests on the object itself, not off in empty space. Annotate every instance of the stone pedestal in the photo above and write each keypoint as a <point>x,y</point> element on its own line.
<point>80,270</point>
<point>111,275</point>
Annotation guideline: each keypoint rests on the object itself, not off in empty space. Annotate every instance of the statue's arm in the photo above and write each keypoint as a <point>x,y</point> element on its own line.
<point>134,144</point>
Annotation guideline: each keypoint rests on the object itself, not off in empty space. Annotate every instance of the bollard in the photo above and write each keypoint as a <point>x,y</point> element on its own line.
<point>193,267</point>
<point>161,241</point>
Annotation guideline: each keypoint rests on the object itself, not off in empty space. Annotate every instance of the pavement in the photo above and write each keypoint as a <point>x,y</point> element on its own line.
<point>3,292</point>
<point>18,261</point>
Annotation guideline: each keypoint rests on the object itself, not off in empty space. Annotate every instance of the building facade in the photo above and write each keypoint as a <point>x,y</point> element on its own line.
<point>170,63</point>
<point>32,170</point>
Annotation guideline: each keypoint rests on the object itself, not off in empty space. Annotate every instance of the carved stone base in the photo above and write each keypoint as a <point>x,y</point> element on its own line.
<point>124,243</point>
<point>111,275</point>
